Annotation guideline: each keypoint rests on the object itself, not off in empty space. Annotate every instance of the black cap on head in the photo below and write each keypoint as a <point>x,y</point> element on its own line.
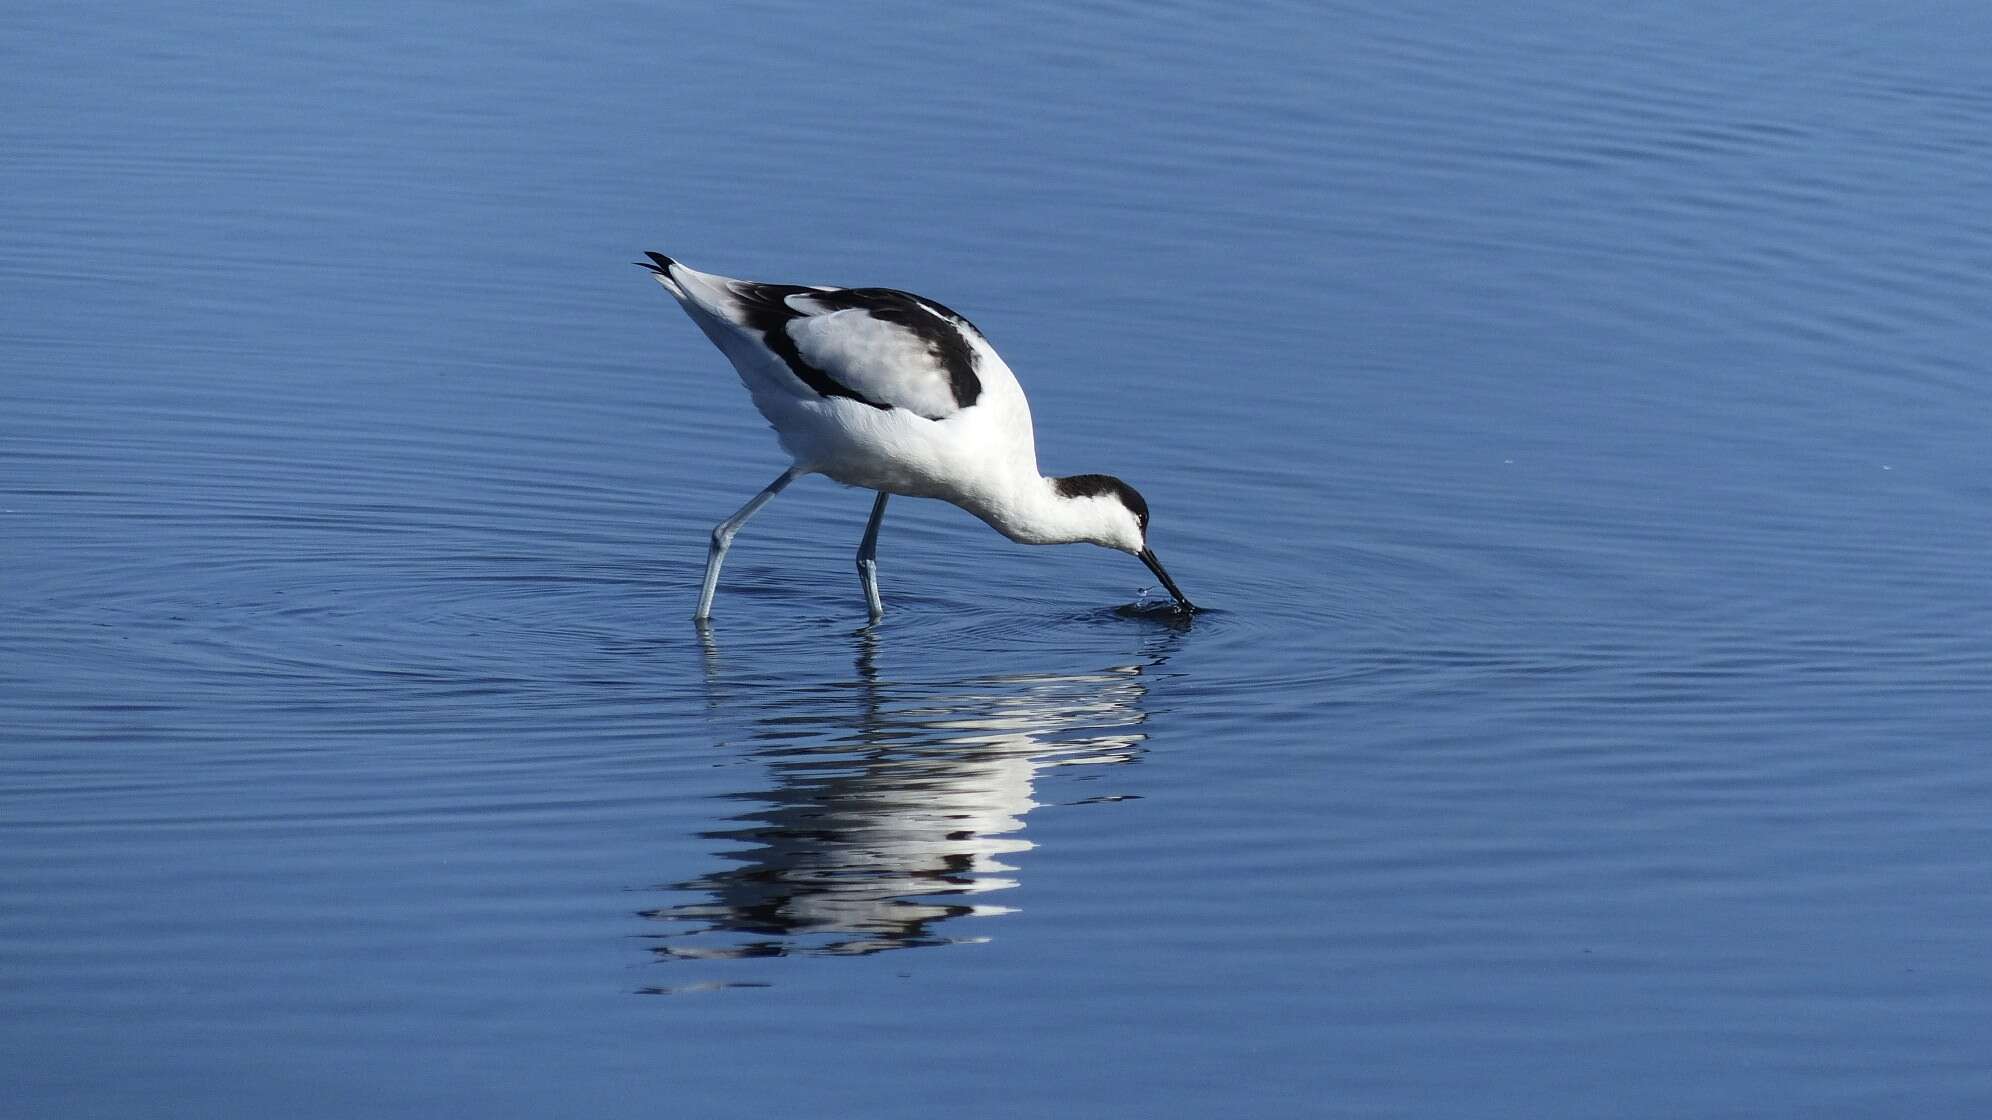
<point>1102,485</point>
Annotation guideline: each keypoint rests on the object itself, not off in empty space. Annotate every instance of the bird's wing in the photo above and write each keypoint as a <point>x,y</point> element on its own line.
<point>877,346</point>
<point>888,347</point>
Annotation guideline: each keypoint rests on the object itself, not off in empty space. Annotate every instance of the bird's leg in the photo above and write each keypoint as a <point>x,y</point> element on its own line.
<point>722,538</point>
<point>868,558</point>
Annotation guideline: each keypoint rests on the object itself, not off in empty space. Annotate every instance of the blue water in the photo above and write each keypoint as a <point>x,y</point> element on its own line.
<point>1577,421</point>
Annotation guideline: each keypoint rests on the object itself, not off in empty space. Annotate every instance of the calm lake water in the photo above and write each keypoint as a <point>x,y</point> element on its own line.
<point>1577,421</point>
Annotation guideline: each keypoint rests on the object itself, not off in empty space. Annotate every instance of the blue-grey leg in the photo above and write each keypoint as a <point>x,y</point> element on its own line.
<point>868,559</point>
<point>722,538</point>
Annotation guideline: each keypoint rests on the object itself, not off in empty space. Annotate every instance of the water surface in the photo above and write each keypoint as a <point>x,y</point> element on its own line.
<point>1576,422</point>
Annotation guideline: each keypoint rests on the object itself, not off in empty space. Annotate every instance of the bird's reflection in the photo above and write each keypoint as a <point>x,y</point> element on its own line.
<point>894,809</point>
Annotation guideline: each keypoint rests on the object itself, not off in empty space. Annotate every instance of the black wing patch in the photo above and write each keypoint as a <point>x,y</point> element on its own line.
<point>935,325</point>
<point>766,309</point>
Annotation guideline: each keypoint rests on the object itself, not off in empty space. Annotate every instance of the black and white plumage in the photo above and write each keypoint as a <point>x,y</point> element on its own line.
<point>883,389</point>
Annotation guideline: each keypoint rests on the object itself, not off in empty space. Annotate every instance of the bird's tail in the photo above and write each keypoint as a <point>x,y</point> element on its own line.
<point>661,266</point>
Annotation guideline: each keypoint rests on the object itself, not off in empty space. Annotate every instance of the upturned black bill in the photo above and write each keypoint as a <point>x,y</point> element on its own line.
<point>1148,557</point>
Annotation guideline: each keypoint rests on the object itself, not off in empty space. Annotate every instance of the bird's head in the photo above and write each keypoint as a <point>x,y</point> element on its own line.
<point>1117,519</point>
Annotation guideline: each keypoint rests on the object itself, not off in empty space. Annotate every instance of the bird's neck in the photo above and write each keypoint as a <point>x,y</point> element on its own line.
<point>1032,511</point>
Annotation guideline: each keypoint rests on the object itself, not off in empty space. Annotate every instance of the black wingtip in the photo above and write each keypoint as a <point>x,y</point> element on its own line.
<point>663,264</point>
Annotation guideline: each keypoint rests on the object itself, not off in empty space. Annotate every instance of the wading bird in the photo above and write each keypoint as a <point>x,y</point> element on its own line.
<point>893,392</point>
